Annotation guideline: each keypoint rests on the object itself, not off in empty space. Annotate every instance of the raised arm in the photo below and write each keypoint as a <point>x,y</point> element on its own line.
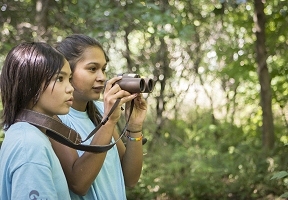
<point>132,156</point>
<point>81,171</point>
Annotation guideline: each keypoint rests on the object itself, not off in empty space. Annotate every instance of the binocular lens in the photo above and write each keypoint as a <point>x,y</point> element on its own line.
<point>142,85</point>
<point>134,84</point>
<point>149,85</point>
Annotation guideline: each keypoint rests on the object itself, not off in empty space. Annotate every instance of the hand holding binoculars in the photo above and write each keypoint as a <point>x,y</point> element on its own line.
<point>133,83</point>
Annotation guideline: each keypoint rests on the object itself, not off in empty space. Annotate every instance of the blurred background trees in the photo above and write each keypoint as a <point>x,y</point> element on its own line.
<point>218,117</point>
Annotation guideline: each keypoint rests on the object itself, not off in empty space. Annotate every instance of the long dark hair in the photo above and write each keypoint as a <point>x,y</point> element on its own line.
<point>27,67</point>
<point>72,47</point>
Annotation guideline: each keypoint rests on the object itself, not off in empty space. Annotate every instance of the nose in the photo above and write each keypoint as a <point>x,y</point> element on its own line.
<point>69,88</point>
<point>101,77</point>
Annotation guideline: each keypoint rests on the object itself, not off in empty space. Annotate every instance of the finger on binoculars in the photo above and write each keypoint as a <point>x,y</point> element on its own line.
<point>120,93</point>
<point>127,99</point>
<point>114,79</point>
<point>111,81</point>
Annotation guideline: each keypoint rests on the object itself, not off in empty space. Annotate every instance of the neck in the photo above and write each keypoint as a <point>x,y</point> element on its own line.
<point>80,106</point>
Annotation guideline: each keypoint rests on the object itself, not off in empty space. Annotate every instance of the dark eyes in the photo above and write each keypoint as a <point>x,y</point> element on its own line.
<point>94,69</point>
<point>60,79</point>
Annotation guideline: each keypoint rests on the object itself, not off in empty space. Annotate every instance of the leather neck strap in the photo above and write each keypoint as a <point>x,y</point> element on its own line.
<point>67,136</point>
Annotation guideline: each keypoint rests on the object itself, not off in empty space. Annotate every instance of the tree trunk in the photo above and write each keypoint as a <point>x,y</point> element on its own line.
<point>41,19</point>
<point>264,77</point>
<point>163,71</point>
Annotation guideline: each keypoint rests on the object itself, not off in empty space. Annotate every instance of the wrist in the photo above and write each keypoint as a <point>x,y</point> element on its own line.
<point>134,128</point>
<point>133,131</point>
<point>134,137</point>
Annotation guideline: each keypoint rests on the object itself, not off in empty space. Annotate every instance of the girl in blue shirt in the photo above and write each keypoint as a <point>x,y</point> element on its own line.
<point>99,175</point>
<point>34,77</point>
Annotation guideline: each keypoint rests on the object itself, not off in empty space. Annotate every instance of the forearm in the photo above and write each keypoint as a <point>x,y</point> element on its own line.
<point>81,171</point>
<point>132,160</point>
<point>84,172</point>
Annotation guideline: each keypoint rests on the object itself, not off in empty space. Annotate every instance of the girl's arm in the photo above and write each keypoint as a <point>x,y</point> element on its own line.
<point>81,171</point>
<point>132,156</point>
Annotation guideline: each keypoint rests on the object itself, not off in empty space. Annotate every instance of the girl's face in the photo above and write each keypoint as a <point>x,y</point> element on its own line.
<point>58,96</point>
<point>89,77</point>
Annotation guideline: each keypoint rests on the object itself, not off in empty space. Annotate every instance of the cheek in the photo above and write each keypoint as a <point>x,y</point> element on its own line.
<point>80,82</point>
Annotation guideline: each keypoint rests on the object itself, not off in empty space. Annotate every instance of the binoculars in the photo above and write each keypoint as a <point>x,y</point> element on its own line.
<point>133,83</point>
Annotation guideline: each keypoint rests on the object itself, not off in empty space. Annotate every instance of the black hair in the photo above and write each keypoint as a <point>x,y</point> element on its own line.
<point>72,47</point>
<point>27,72</point>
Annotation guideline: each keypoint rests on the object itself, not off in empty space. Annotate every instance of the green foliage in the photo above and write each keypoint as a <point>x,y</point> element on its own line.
<point>281,175</point>
<point>195,160</point>
<point>199,152</point>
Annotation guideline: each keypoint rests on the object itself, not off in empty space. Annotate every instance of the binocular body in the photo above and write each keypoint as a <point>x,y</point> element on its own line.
<point>133,83</point>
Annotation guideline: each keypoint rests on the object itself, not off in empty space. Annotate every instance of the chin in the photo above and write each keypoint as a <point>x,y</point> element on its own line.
<point>95,97</point>
<point>63,112</point>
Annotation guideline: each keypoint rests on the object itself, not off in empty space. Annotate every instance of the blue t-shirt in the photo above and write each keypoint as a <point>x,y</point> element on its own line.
<point>29,168</point>
<point>109,183</point>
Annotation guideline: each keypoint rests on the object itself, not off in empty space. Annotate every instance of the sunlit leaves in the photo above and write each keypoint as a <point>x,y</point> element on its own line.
<point>280,175</point>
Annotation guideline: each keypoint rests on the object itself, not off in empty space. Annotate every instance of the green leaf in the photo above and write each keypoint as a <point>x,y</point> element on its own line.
<point>280,175</point>
<point>285,195</point>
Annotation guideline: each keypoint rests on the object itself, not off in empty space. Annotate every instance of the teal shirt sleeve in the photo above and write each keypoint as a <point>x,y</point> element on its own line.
<point>33,181</point>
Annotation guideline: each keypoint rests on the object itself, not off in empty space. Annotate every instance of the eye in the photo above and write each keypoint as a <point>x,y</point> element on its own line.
<point>104,69</point>
<point>59,79</point>
<point>70,79</point>
<point>93,69</point>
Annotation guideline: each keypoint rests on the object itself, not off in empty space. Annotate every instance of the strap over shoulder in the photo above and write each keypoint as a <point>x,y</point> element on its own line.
<point>63,134</point>
<point>60,132</point>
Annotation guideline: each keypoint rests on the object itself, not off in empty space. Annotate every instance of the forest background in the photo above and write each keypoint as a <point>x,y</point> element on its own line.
<point>217,126</point>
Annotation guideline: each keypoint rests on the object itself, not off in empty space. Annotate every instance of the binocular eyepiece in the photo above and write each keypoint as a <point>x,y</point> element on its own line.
<point>133,83</point>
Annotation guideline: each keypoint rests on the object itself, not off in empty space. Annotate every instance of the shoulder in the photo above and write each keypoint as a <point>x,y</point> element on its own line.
<point>25,131</point>
<point>26,142</point>
<point>25,145</point>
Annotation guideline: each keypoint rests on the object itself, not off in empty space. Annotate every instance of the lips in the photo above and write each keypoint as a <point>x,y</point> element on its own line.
<point>98,89</point>
<point>70,101</point>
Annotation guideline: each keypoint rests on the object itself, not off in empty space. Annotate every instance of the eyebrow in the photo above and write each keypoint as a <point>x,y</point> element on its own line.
<point>96,63</point>
<point>64,73</point>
